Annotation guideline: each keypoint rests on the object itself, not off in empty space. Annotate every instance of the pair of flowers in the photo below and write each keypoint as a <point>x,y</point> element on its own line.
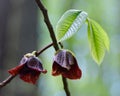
<point>64,63</point>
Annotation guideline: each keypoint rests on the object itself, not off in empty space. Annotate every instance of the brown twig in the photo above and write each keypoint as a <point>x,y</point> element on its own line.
<point>61,45</point>
<point>6,81</point>
<point>66,86</point>
<point>43,49</point>
<point>47,21</point>
<point>46,47</point>
<point>52,34</point>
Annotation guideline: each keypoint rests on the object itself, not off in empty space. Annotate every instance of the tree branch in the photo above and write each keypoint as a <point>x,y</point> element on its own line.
<point>6,81</point>
<point>52,34</point>
<point>43,49</point>
<point>47,21</point>
<point>46,47</point>
<point>66,86</point>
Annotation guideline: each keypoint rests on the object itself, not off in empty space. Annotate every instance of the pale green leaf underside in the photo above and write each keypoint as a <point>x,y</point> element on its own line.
<point>70,23</point>
<point>98,40</point>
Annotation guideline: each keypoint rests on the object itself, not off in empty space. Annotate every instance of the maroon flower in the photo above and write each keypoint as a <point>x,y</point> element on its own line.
<point>66,64</point>
<point>29,68</point>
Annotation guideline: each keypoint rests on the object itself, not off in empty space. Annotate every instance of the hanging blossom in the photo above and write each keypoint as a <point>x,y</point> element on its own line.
<point>29,68</point>
<point>65,64</point>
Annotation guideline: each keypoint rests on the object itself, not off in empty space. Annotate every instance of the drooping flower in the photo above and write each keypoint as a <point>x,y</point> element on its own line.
<point>65,64</point>
<point>28,69</point>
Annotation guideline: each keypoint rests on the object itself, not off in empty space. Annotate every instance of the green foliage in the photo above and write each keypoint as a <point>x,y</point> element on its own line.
<point>98,40</point>
<point>70,23</point>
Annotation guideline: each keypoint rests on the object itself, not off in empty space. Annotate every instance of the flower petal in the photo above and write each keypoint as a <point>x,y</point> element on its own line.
<point>16,70</point>
<point>73,73</point>
<point>35,64</point>
<point>62,58</point>
<point>23,60</point>
<point>29,75</point>
<point>56,69</point>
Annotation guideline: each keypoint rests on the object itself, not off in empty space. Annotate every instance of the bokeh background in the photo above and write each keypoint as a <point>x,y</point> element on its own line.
<point>22,30</point>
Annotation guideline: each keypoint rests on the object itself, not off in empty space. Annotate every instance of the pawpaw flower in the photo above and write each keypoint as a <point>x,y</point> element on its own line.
<point>65,64</point>
<point>28,69</point>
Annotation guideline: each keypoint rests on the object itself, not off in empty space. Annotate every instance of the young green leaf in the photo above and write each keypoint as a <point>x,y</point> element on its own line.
<point>98,40</point>
<point>70,23</point>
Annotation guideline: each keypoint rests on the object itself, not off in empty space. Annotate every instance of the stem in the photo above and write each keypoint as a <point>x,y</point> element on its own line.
<point>49,26</point>
<point>61,45</point>
<point>55,44</point>
<point>42,50</point>
<point>66,86</point>
<point>6,81</point>
<point>46,47</point>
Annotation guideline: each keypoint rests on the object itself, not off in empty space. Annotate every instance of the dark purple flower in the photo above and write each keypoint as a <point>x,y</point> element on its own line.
<point>66,64</point>
<point>29,68</point>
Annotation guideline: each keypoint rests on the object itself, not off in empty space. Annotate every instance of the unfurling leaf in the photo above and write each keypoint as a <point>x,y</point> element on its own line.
<point>69,24</point>
<point>98,40</point>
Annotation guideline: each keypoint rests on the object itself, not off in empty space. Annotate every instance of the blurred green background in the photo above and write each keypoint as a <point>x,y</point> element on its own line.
<point>22,30</point>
